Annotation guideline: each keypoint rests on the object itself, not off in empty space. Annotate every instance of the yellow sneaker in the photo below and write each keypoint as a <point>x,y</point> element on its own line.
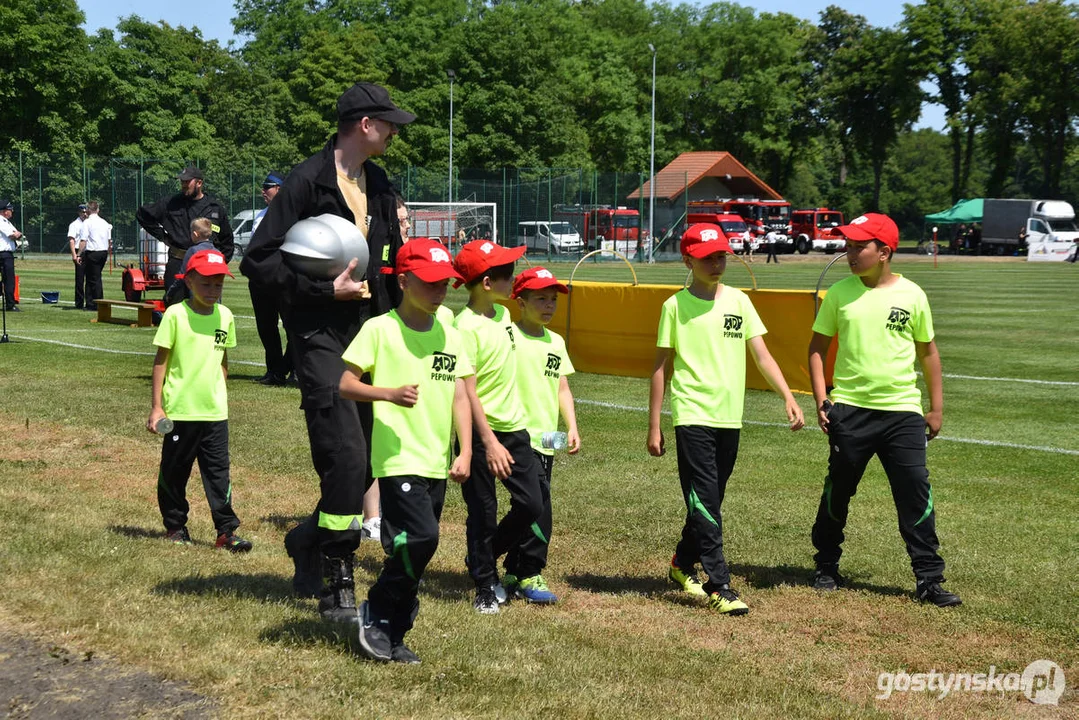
<point>726,601</point>
<point>687,581</point>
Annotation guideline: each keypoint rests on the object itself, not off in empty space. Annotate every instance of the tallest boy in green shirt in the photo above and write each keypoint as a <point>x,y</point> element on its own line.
<point>883,323</point>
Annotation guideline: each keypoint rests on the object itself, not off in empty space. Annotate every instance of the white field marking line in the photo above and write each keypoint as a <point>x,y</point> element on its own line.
<point>966,441</point>
<point>116,352</point>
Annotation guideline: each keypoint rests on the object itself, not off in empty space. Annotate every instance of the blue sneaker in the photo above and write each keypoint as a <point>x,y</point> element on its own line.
<point>534,590</point>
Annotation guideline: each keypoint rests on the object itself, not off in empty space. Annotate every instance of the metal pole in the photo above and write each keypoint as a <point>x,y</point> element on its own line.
<point>652,161</point>
<point>449,193</point>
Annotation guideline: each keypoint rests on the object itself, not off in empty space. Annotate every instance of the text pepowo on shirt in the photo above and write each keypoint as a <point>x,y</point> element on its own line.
<point>541,362</point>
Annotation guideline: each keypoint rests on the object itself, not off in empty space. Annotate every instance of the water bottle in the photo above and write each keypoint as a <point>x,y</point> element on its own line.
<point>554,440</point>
<point>164,426</point>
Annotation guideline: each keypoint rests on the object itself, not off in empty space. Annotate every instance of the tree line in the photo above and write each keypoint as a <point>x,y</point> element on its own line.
<point>823,111</point>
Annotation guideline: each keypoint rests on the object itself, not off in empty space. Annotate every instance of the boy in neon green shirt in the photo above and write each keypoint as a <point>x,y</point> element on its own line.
<point>501,448</point>
<point>542,367</point>
<point>417,367</point>
<point>883,322</point>
<point>188,387</point>
<point>701,347</point>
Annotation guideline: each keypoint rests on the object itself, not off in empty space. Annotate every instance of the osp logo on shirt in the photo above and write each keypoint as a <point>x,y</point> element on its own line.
<point>732,326</point>
<point>509,331</point>
<point>554,363</point>
<point>221,337</point>
<point>442,366</point>
<point>898,320</point>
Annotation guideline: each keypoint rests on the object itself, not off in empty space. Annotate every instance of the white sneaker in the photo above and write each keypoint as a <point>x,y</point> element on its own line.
<point>372,528</point>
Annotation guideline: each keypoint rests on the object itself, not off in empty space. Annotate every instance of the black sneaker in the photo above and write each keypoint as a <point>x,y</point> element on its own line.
<point>932,592</point>
<point>486,603</point>
<point>401,653</point>
<point>271,379</point>
<point>179,537</point>
<point>233,543</point>
<point>828,579</point>
<point>374,636</point>
<point>301,544</point>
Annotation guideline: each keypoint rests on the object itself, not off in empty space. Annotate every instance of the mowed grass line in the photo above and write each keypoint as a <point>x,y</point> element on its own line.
<point>83,557</point>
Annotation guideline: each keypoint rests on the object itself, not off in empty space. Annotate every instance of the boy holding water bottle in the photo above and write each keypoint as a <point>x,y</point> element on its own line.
<point>188,392</point>
<point>542,367</point>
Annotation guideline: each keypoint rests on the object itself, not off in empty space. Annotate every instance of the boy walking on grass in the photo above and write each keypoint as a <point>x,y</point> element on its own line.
<point>542,367</point>
<point>883,322</point>
<point>500,447</point>
<point>417,367</point>
<point>703,333</point>
<point>188,387</point>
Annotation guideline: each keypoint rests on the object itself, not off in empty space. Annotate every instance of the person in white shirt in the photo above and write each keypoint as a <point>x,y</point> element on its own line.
<point>8,245</point>
<point>74,235</point>
<point>94,253</point>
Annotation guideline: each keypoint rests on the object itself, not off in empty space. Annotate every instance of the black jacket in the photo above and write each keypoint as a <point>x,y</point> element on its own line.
<point>169,220</point>
<point>310,190</point>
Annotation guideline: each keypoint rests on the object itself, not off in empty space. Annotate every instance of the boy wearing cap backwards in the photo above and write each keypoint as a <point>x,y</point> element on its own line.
<point>542,367</point>
<point>188,387</point>
<point>500,447</point>
<point>417,367</point>
<point>883,323</point>
<point>703,333</point>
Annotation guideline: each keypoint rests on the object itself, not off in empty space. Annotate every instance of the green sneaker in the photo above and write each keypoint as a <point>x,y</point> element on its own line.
<point>534,590</point>
<point>687,581</point>
<point>726,601</point>
<point>510,583</point>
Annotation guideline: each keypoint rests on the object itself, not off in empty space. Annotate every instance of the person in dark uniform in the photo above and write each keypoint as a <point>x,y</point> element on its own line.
<point>322,317</point>
<point>266,304</point>
<point>169,220</point>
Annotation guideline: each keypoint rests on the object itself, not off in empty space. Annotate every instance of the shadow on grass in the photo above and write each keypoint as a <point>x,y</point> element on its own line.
<point>763,577</point>
<point>313,630</point>
<point>619,584</point>
<point>283,522</point>
<point>257,586</point>
<point>141,533</point>
<point>435,583</point>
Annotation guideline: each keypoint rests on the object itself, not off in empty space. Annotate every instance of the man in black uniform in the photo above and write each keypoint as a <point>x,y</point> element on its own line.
<point>322,317</point>
<point>169,220</point>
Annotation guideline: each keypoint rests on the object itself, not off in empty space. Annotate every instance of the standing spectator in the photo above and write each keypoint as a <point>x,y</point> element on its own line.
<point>771,241</point>
<point>74,234</point>
<point>94,253</point>
<point>169,220</point>
<point>267,305</point>
<point>8,245</point>
<point>323,317</point>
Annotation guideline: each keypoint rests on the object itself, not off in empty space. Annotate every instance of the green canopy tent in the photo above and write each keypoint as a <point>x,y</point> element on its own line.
<point>964,211</point>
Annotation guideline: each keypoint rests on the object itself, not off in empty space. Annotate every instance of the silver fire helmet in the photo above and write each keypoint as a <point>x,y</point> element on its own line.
<point>322,246</point>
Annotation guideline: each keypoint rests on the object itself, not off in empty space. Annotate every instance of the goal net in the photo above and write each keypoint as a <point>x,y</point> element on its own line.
<point>446,221</point>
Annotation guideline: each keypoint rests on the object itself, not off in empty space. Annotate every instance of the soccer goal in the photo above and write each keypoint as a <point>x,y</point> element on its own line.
<point>445,221</point>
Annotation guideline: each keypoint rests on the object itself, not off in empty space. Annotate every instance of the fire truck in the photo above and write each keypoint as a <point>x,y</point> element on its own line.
<point>760,216</point>
<point>733,226</point>
<point>812,230</point>
<point>597,223</point>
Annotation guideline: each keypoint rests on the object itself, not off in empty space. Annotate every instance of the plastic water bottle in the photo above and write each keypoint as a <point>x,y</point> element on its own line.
<point>554,440</point>
<point>164,426</point>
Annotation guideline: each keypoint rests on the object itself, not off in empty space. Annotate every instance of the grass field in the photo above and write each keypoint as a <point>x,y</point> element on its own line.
<point>84,563</point>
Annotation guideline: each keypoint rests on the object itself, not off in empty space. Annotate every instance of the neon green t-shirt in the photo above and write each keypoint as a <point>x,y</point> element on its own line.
<point>541,361</point>
<point>444,315</point>
<point>416,440</point>
<point>708,383</point>
<point>489,343</point>
<point>877,328</point>
<point>194,386</point>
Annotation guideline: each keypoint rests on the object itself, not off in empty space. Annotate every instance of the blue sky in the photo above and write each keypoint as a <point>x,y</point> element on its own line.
<point>214,19</point>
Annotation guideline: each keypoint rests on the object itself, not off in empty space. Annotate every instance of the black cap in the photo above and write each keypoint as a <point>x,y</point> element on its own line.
<point>6,204</point>
<point>272,180</point>
<point>190,173</point>
<point>373,101</point>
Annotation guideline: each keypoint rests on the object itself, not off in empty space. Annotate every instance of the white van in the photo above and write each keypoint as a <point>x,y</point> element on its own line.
<point>541,234</point>
<point>242,226</point>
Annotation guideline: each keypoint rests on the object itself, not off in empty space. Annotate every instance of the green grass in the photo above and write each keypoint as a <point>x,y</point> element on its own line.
<point>83,561</point>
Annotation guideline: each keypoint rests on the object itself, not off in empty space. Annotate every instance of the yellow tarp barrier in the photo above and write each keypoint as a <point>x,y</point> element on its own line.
<point>611,329</point>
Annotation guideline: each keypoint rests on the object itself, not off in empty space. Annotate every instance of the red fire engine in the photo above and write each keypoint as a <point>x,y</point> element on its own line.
<point>812,230</point>
<point>596,223</point>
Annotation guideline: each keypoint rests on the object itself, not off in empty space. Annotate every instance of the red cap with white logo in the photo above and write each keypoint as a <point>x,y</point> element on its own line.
<point>871,226</point>
<point>427,259</point>
<point>479,256</point>
<point>703,239</point>
<point>537,278</point>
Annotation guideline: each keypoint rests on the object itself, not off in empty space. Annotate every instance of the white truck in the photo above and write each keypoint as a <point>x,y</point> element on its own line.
<point>1046,227</point>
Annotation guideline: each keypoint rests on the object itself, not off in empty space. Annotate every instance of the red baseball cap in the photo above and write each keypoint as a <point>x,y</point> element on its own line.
<point>207,263</point>
<point>871,226</point>
<point>537,278</point>
<point>702,239</point>
<point>427,259</point>
<point>479,256</point>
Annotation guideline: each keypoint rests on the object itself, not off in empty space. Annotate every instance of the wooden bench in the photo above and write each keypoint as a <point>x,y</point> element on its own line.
<point>145,313</point>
